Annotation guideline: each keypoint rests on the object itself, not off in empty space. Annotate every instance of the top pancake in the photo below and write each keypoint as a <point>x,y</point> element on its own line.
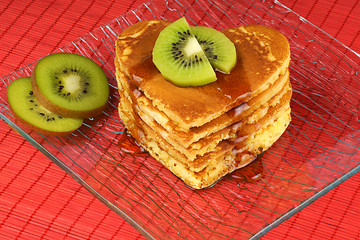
<point>262,55</point>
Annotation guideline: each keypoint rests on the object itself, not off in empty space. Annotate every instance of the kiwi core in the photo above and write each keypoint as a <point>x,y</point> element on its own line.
<point>72,83</point>
<point>44,110</point>
<point>192,47</point>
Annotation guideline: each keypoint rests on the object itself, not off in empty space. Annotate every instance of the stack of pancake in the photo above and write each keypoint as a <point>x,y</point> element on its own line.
<point>203,133</point>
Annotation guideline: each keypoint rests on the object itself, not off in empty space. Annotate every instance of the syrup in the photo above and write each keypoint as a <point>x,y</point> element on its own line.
<point>128,145</point>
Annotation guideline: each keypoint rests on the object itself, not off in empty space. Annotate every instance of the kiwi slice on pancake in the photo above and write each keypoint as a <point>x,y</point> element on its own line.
<point>218,48</point>
<point>180,58</point>
<point>70,85</point>
<point>188,55</point>
<point>30,112</point>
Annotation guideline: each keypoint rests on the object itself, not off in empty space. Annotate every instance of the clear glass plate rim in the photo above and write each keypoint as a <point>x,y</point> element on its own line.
<point>274,224</point>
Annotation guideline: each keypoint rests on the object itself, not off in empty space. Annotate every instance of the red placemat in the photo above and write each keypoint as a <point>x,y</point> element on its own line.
<point>39,200</point>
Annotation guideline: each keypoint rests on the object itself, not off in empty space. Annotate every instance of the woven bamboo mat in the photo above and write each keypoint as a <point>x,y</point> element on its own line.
<point>39,200</point>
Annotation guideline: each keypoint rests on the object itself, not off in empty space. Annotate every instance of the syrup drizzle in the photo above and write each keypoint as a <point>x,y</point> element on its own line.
<point>128,145</point>
<point>250,173</point>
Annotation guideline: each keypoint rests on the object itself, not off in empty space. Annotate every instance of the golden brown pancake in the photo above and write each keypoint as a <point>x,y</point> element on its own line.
<point>207,141</point>
<point>258,66</point>
<point>202,133</point>
<point>199,161</point>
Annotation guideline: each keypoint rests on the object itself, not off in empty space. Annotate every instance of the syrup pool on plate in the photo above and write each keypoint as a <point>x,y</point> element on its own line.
<point>127,144</point>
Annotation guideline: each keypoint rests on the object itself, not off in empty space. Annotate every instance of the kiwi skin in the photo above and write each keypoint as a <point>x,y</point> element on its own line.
<point>40,130</point>
<point>58,109</point>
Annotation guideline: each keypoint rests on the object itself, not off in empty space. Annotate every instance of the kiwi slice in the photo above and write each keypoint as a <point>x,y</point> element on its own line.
<point>70,85</point>
<point>179,57</point>
<point>218,48</point>
<point>30,112</point>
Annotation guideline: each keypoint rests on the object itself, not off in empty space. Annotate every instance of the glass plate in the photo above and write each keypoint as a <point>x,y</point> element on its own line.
<point>319,150</point>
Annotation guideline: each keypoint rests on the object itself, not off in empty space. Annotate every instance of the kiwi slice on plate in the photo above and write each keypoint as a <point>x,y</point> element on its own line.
<point>180,58</point>
<point>70,85</point>
<point>30,112</point>
<point>218,48</point>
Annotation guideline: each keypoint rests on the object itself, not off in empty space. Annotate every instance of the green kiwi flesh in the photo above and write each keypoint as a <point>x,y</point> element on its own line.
<point>30,112</point>
<point>180,58</point>
<point>70,85</point>
<point>218,48</point>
